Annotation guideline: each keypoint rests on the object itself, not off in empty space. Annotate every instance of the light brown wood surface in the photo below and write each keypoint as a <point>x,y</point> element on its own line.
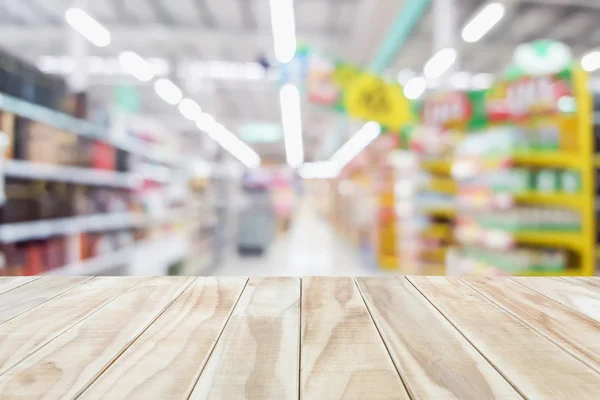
<point>34,293</point>
<point>257,354</point>
<point>166,361</point>
<point>289,338</point>
<point>434,359</point>
<point>341,348</point>
<point>9,283</point>
<point>588,282</point>
<point>575,333</point>
<point>578,298</point>
<point>33,329</point>
<point>533,364</point>
<point>67,365</point>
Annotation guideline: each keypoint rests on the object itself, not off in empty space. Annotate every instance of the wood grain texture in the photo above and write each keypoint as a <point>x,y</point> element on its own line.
<point>10,282</point>
<point>342,353</point>
<point>578,298</point>
<point>537,367</point>
<point>575,333</point>
<point>166,361</point>
<point>33,329</point>
<point>434,359</point>
<point>587,282</point>
<point>257,354</point>
<point>34,293</point>
<point>67,365</point>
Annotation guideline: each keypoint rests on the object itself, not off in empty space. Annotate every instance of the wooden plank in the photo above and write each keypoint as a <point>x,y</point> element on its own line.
<point>575,333</point>
<point>433,358</point>
<point>166,361</point>
<point>535,366</point>
<point>33,329</point>
<point>580,299</point>
<point>342,353</point>
<point>257,354</point>
<point>9,283</point>
<point>26,297</point>
<point>587,282</point>
<point>67,365</point>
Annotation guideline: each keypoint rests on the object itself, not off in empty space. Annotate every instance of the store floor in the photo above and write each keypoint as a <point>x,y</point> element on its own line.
<point>310,248</point>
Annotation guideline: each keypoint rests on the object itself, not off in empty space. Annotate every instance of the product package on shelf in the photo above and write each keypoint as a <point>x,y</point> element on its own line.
<point>525,184</point>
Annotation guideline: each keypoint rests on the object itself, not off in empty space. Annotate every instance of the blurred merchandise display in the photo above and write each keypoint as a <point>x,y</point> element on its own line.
<point>83,198</point>
<point>525,194</point>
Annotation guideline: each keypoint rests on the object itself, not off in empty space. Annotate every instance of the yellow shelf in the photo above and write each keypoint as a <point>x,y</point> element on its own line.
<point>556,160</point>
<point>443,185</point>
<point>570,240</point>
<point>437,255</point>
<point>437,231</point>
<point>440,166</point>
<point>443,212</point>
<point>576,201</point>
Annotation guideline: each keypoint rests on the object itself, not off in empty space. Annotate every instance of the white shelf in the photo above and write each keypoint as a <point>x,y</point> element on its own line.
<point>86,176</point>
<point>84,128</point>
<point>97,265</point>
<point>24,231</point>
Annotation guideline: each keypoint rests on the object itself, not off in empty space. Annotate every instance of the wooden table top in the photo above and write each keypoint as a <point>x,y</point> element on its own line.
<point>285,338</point>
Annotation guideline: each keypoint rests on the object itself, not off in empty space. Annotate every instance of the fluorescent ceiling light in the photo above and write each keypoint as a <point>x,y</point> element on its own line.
<point>135,65</point>
<point>356,144</point>
<point>168,91</point>
<point>284,29</point>
<point>190,109</point>
<point>205,122</point>
<point>319,170</point>
<point>439,63</point>
<point>591,61</point>
<point>481,23</point>
<point>415,87</point>
<point>235,146</point>
<point>87,26</point>
<point>292,125</point>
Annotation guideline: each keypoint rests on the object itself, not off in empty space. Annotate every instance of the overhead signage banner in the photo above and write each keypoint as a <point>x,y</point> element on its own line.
<point>349,89</point>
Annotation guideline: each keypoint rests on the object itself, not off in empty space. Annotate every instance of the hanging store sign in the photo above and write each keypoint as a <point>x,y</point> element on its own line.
<point>351,90</point>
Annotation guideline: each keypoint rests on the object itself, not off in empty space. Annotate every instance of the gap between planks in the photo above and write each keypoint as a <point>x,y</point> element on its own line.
<point>385,345</point>
<point>510,364</point>
<point>128,345</point>
<point>44,338</point>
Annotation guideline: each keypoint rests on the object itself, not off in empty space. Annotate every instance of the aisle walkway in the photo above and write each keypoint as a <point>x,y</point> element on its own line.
<point>310,248</point>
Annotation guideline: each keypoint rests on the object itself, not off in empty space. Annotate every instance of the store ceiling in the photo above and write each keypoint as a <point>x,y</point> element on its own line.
<point>189,36</point>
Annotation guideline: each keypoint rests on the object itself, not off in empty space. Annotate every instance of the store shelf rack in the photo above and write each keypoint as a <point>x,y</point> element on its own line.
<point>84,176</point>
<point>581,160</point>
<point>24,231</point>
<point>84,128</point>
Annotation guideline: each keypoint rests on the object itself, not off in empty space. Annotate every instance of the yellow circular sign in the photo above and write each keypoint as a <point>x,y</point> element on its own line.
<point>372,99</point>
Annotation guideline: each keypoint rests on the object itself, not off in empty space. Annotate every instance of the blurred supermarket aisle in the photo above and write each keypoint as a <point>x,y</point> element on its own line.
<point>311,247</point>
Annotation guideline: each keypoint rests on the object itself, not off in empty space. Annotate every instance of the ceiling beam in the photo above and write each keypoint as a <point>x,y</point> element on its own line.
<point>594,4</point>
<point>18,36</point>
<point>207,16</point>
<point>161,13</point>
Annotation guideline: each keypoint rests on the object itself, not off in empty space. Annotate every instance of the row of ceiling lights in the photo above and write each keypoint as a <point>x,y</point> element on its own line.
<point>137,66</point>
<point>284,37</point>
<point>110,66</point>
<point>473,31</point>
